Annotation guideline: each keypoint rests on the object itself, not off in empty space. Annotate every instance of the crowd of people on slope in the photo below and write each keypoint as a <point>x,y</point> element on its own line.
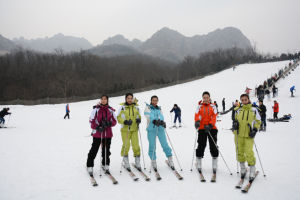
<point>263,90</point>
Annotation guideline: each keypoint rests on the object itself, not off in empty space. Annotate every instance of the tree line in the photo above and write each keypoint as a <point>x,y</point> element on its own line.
<point>30,75</point>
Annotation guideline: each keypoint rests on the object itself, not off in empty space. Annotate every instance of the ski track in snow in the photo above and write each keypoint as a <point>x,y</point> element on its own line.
<point>44,156</point>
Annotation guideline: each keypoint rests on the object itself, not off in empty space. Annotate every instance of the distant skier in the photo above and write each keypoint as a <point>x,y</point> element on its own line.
<point>274,90</point>
<point>285,118</point>
<point>262,112</point>
<point>3,113</point>
<point>292,89</point>
<point>248,90</point>
<point>223,104</point>
<point>67,112</point>
<point>215,103</point>
<point>205,124</point>
<point>177,112</point>
<point>156,128</point>
<point>275,110</point>
<point>246,124</point>
<point>129,117</point>
<point>102,119</point>
<point>260,93</point>
<point>268,94</point>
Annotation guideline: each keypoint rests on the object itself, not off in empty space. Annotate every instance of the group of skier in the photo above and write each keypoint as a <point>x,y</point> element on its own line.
<point>246,122</point>
<point>129,117</point>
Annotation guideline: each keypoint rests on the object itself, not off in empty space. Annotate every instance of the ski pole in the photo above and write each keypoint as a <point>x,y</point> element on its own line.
<point>173,149</point>
<point>153,148</point>
<point>171,118</point>
<point>100,156</point>
<point>8,119</point>
<point>219,151</point>
<point>237,150</point>
<point>196,137</point>
<point>125,148</point>
<point>105,150</point>
<point>259,160</point>
<point>142,147</point>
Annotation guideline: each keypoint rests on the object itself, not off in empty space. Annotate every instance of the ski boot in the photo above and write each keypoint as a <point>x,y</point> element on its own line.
<point>171,163</point>
<point>126,162</point>
<point>138,163</point>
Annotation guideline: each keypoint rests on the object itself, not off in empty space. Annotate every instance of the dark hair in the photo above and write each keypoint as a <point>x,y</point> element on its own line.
<point>261,101</point>
<point>245,95</point>
<point>154,96</point>
<point>128,94</point>
<point>204,93</point>
<point>104,95</point>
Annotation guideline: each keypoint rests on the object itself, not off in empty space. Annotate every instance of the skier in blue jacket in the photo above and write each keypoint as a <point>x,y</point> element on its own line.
<point>177,112</point>
<point>156,127</point>
<point>292,90</point>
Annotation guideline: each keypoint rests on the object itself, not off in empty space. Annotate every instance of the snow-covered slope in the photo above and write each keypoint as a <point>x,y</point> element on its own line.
<point>43,156</point>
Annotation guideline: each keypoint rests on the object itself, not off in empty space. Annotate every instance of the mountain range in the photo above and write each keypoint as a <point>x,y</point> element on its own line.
<point>165,44</point>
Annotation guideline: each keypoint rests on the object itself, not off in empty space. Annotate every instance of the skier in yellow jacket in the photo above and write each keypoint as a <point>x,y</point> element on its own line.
<point>129,117</point>
<point>245,125</point>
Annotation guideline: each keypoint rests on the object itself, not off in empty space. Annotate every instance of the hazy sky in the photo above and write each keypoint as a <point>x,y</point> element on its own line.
<point>273,25</point>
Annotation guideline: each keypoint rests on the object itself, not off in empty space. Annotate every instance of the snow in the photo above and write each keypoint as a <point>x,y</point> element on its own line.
<point>43,156</point>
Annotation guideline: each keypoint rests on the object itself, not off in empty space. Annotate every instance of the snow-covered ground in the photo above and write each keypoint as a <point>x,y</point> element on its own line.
<point>43,156</point>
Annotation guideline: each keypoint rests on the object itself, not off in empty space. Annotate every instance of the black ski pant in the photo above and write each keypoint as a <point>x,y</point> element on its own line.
<point>105,143</point>
<point>263,122</point>
<point>275,115</point>
<point>202,140</point>
<point>67,115</point>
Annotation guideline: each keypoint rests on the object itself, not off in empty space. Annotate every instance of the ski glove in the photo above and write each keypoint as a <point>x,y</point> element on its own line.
<point>128,122</point>
<point>235,125</point>
<point>138,121</point>
<point>106,124</point>
<point>100,128</point>
<point>162,123</point>
<point>208,127</point>
<point>156,122</point>
<point>197,124</point>
<point>253,132</point>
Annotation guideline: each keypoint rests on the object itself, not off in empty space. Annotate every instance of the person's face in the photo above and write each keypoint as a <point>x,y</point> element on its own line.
<point>245,100</point>
<point>103,100</point>
<point>206,98</point>
<point>129,99</point>
<point>260,103</point>
<point>154,101</point>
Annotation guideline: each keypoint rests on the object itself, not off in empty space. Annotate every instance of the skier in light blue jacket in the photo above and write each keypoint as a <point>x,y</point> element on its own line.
<point>156,127</point>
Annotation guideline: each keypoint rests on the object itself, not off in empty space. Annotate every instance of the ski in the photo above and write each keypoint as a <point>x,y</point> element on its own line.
<point>240,183</point>
<point>111,177</point>
<point>131,174</point>
<point>248,186</point>
<point>175,171</point>
<point>202,179</point>
<point>141,172</point>
<point>213,178</point>
<point>157,175</point>
<point>93,181</point>
<point>173,127</point>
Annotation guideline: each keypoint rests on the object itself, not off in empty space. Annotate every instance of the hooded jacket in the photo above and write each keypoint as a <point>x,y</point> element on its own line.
<point>206,114</point>
<point>99,114</point>
<point>127,112</point>
<point>247,115</point>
